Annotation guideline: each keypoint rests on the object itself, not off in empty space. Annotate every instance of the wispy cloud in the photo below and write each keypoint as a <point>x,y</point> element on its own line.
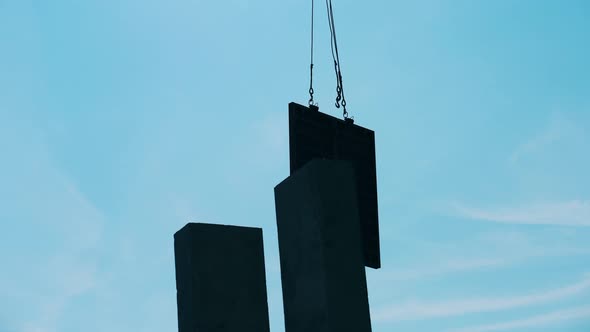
<point>560,131</point>
<point>271,133</point>
<point>416,310</point>
<point>535,321</point>
<point>538,142</point>
<point>569,213</point>
<point>440,269</point>
<point>68,276</point>
<point>459,266</point>
<point>54,226</point>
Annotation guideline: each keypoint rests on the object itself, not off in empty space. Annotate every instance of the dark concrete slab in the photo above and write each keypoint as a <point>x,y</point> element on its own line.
<point>322,270</point>
<point>313,134</point>
<point>220,279</point>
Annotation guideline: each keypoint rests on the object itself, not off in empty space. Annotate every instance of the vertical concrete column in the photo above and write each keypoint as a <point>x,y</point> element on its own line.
<point>220,279</point>
<point>322,265</point>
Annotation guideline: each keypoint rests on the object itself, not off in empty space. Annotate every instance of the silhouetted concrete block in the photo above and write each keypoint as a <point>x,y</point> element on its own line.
<point>220,279</point>
<point>322,270</point>
<point>316,135</point>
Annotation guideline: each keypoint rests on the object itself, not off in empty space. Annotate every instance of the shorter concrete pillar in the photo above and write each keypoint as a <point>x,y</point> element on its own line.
<point>220,279</point>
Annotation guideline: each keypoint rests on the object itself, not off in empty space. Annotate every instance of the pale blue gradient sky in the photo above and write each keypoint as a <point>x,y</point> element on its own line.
<point>120,121</point>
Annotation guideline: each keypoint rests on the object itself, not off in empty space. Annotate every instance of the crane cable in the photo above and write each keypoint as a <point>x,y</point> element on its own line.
<point>340,99</point>
<point>311,61</point>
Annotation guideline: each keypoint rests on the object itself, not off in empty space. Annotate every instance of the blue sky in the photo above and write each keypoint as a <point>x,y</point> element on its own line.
<point>123,120</point>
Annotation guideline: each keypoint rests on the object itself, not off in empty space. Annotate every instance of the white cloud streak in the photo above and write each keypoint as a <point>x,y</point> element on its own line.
<point>570,213</point>
<point>550,135</point>
<point>436,270</point>
<point>542,320</point>
<point>560,132</point>
<point>416,310</point>
<point>54,228</point>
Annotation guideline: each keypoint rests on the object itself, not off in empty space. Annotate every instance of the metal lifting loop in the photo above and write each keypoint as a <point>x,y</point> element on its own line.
<point>311,85</point>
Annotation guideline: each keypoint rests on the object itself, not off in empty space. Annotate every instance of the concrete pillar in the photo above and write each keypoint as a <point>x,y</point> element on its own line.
<point>220,279</point>
<point>322,265</point>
